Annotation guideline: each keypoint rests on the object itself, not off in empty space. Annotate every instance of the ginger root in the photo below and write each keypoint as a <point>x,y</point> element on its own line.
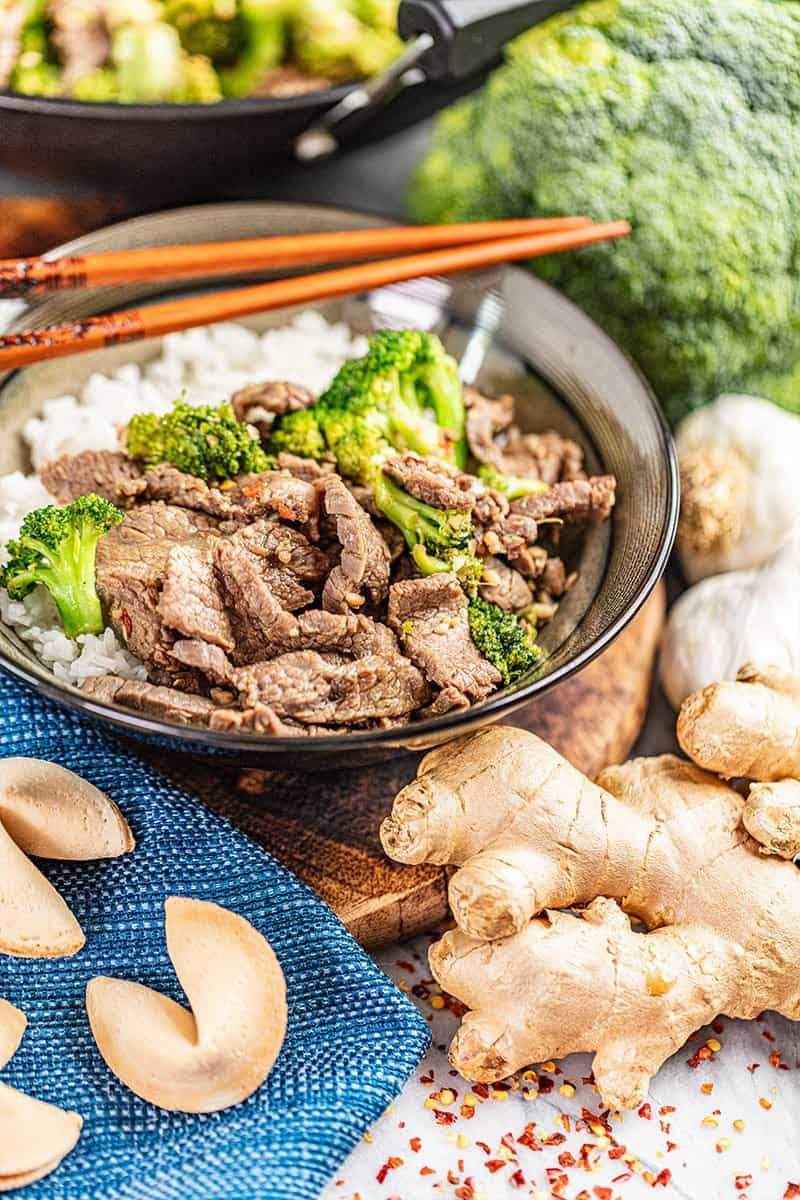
<point>658,839</point>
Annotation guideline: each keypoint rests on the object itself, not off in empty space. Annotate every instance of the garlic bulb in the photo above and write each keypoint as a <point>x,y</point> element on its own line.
<point>740,484</point>
<point>743,616</point>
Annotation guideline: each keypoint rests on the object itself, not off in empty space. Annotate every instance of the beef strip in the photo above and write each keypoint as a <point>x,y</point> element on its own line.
<point>294,569</point>
<point>131,565</point>
<point>107,473</point>
<point>304,468</point>
<point>510,536</point>
<point>261,625</point>
<point>580,502</point>
<point>191,601</point>
<point>363,570</point>
<point>168,703</point>
<point>547,456</point>
<point>276,493</point>
<point>504,586</point>
<point>259,403</point>
<point>433,482</point>
<point>431,617</point>
<point>304,686</point>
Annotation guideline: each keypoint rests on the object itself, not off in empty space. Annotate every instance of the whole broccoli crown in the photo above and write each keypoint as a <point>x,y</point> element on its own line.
<point>202,441</point>
<point>512,486</point>
<point>682,117</point>
<point>502,639</point>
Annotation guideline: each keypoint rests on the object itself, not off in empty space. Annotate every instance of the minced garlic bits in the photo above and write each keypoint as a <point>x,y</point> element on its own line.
<point>222,1050</point>
<point>49,812</point>
<point>34,1136</point>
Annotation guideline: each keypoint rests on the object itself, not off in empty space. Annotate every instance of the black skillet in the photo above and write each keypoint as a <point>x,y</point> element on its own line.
<point>170,149</point>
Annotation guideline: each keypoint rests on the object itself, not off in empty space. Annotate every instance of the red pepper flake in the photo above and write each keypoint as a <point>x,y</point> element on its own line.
<point>583,1195</point>
<point>557,1180</point>
<point>406,966</point>
<point>466,1191</point>
<point>427,1171</point>
<point>553,1139</point>
<point>545,1085</point>
<point>666,1109</point>
<point>742,1181</point>
<point>616,1152</point>
<point>528,1137</point>
<point>390,1165</point>
<point>416,1144</point>
<point>495,1164</point>
<point>453,1178</point>
<point>753,1067</point>
<point>127,624</point>
<point>775,1059</point>
<point>420,991</point>
<point>507,1140</point>
<point>444,1118</point>
<point>792,1191</point>
<point>483,1146</point>
<point>769,1036</point>
<point>426,1079</point>
<point>623,1178</point>
<point>672,1146</point>
<point>646,1112</point>
<point>565,1159</point>
<point>481,1090</point>
<point>603,1193</point>
<point>468,1111</point>
<point>518,1179</point>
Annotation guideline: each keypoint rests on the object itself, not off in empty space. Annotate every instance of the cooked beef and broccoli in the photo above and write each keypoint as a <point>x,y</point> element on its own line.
<point>191,51</point>
<point>291,565</point>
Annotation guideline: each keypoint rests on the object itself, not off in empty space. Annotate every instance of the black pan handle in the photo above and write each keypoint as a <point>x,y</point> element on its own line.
<point>468,34</point>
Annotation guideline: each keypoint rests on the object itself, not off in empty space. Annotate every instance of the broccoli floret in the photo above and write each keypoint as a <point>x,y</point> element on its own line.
<point>298,433</point>
<point>264,39</point>
<point>149,62</point>
<point>502,639</point>
<point>99,87</point>
<point>682,116</point>
<point>439,539</point>
<point>330,39</point>
<point>512,486</point>
<point>202,441</point>
<point>200,83</point>
<point>212,28</point>
<point>56,548</point>
<point>409,386</point>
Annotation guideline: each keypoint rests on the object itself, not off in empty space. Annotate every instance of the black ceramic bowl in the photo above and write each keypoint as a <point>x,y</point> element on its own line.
<point>565,372</point>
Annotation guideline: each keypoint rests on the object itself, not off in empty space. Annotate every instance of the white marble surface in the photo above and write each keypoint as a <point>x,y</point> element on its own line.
<point>734,1132</point>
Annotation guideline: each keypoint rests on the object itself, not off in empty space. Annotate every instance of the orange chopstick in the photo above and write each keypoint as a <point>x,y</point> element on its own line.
<point>24,277</point>
<point>93,333</point>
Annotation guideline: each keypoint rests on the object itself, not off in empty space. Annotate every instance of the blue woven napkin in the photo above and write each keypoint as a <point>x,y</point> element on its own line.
<point>352,1041</point>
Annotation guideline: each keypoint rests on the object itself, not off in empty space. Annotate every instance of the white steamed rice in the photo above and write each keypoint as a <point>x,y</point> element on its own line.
<point>205,366</point>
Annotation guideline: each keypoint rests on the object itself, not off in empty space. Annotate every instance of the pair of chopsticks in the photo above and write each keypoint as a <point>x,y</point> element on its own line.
<point>425,250</point>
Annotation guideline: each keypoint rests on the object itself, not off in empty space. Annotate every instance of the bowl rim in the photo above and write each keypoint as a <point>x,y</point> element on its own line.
<point>159,111</point>
<point>431,731</point>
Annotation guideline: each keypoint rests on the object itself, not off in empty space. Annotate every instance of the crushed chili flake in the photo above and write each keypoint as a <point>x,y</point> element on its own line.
<point>390,1165</point>
<point>623,1178</point>
<point>444,1118</point>
<point>753,1067</point>
<point>553,1139</point>
<point>483,1146</point>
<point>427,1171</point>
<point>775,1058</point>
<point>764,1102</point>
<point>666,1109</point>
<point>545,1085</point>
<point>769,1036</point>
<point>481,1090</point>
<point>495,1164</point>
<point>565,1159</point>
<point>792,1191</point>
<point>663,1178</point>
<point>518,1179</point>
<point>416,1144</point>
<point>646,1112</point>
<point>742,1181</point>
<point>603,1193</point>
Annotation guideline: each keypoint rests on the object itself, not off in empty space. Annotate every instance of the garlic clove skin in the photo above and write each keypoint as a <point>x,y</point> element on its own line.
<point>744,616</point>
<point>740,484</point>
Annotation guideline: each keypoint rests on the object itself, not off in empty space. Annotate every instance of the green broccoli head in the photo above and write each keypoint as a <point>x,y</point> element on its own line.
<point>343,39</point>
<point>502,639</point>
<point>681,116</point>
<point>298,433</point>
<point>212,28</point>
<point>409,386</point>
<point>513,486</point>
<point>202,441</point>
<point>99,87</point>
<point>56,549</point>
<point>263,44</point>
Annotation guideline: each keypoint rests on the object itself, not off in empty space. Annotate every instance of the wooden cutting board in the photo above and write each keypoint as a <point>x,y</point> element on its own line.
<point>324,826</point>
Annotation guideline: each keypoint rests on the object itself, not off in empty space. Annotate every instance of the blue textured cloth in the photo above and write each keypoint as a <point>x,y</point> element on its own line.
<point>352,1041</point>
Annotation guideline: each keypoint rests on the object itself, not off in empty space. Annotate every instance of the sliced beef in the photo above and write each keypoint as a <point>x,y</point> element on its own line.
<point>304,686</point>
<point>504,586</point>
<point>433,482</point>
<point>107,473</point>
<point>485,419</point>
<point>449,699</point>
<point>131,566</point>
<point>510,535</point>
<point>580,502</point>
<point>553,578</point>
<point>351,634</point>
<point>363,570</point>
<point>259,403</point>
<point>168,703</point>
<point>192,601</point>
<point>261,626</point>
<point>496,441</point>
<point>294,569</point>
<point>430,616</point>
<point>166,483</point>
<point>304,468</point>
<point>275,493</point>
